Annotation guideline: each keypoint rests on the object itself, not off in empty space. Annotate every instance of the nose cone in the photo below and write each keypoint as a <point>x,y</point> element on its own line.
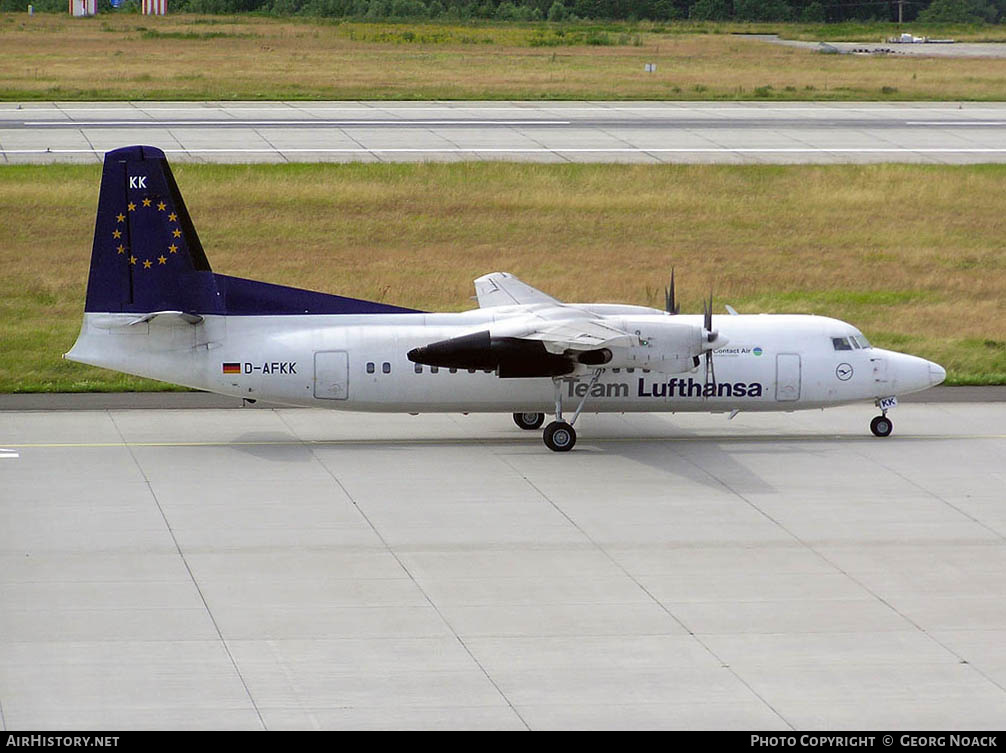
<point>936,374</point>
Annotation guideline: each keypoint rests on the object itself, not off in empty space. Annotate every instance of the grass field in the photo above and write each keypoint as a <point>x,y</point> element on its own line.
<point>914,255</point>
<point>125,57</point>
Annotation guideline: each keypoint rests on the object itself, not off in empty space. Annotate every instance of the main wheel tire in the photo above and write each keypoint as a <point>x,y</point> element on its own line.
<point>528,421</point>
<point>881,426</point>
<point>559,436</point>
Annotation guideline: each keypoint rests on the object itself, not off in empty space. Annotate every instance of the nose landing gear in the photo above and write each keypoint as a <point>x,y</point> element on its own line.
<point>881,426</point>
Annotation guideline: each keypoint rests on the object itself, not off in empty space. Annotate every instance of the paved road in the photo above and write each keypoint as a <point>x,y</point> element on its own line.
<point>311,569</point>
<point>525,131</point>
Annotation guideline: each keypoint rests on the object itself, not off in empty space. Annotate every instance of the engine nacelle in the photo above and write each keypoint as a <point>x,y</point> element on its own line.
<point>509,357</point>
<point>667,346</point>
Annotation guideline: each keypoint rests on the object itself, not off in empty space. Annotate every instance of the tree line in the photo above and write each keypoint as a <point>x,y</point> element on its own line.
<point>810,11</point>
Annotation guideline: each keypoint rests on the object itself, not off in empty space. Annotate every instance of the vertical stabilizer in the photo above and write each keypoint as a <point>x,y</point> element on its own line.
<point>146,254</point>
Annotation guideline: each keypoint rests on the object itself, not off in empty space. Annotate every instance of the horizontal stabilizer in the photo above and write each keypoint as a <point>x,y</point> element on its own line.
<point>168,316</point>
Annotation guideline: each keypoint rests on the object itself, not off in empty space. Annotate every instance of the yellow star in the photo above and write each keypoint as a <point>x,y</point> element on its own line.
<point>147,263</point>
<point>172,217</point>
<point>162,259</point>
<point>177,233</point>
<point>131,206</point>
<point>132,260</point>
<point>121,249</point>
<point>146,202</point>
<point>120,218</point>
<point>161,206</point>
<point>116,234</point>
<point>173,248</point>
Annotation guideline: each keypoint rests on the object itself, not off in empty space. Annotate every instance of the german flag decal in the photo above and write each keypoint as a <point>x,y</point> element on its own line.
<point>232,368</point>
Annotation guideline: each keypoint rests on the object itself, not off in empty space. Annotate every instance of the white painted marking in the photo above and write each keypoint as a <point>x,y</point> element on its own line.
<point>253,123</point>
<point>9,454</point>
<point>999,123</point>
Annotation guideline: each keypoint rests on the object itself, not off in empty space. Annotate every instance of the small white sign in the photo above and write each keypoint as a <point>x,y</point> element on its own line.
<point>886,403</point>
<point>650,67</point>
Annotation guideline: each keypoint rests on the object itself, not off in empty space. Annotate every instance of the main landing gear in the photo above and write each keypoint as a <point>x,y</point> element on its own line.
<point>529,421</point>
<point>560,436</point>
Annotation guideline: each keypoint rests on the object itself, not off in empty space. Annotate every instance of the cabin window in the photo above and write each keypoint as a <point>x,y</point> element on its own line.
<point>434,369</point>
<point>419,368</point>
<point>841,343</point>
<point>370,367</point>
<point>616,371</point>
<point>453,370</point>
<point>630,371</point>
<point>386,367</point>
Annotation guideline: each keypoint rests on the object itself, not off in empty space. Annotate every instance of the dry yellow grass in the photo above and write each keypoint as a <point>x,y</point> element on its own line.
<point>118,56</point>
<point>914,255</point>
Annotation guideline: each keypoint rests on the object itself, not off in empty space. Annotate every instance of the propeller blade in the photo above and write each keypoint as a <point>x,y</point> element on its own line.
<point>670,300</point>
<point>711,335</point>
<point>707,312</point>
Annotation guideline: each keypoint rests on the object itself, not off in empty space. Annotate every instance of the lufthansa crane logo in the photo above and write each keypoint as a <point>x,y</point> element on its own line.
<point>844,372</point>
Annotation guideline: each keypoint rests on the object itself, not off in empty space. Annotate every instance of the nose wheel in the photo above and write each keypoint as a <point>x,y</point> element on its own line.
<point>881,426</point>
<point>529,421</point>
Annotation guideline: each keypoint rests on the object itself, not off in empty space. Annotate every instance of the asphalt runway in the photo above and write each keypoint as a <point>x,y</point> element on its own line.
<point>930,49</point>
<point>648,132</point>
<point>294,568</point>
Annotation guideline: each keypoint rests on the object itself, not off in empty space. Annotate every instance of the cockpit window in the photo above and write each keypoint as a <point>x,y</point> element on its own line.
<point>841,343</point>
<point>863,342</point>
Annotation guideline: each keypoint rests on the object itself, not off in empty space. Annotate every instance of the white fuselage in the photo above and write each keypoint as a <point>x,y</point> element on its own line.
<point>350,362</point>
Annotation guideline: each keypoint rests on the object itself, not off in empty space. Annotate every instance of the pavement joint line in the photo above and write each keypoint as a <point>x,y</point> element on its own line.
<point>271,145</point>
<point>824,558</point>
<point>912,482</point>
<point>959,656</point>
<point>192,577</point>
<point>660,605</point>
<point>586,441</point>
<point>415,582</point>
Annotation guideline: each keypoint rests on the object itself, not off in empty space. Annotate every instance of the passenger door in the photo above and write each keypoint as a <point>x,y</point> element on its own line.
<point>787,377</point>
<point>331,375</point>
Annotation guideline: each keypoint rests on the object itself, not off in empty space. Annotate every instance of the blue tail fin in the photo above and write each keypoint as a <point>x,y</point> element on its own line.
<point>147,256</point>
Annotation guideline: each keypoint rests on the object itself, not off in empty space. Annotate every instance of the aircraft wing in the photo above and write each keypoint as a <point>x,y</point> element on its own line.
<point>559,336</point>
<point>503,289</point>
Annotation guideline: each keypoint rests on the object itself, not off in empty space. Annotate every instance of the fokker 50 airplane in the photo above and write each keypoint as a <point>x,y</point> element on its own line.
<point>155,309</point>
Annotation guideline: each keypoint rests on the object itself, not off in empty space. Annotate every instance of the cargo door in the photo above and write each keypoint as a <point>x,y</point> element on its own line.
<point>879,370</point>
<point>331,375</point>
<point>787,377</point>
